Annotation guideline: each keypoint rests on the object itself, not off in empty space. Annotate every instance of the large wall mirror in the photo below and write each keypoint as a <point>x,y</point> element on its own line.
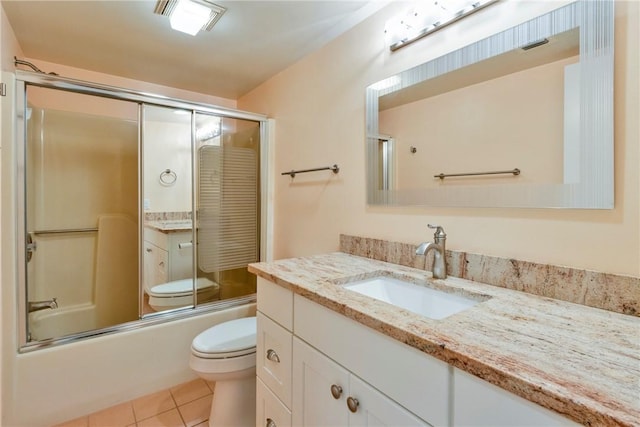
<point>523,118</point>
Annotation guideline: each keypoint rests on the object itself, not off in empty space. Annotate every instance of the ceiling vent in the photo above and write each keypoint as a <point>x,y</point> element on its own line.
<point>190,16</point>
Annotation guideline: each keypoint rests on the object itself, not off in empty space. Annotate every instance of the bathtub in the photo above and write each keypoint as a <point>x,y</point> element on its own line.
<point>62,321</point>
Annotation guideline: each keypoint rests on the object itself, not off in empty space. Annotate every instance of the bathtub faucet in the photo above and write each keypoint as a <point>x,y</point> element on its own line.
<point>438,246</point>
<point>43,305</point>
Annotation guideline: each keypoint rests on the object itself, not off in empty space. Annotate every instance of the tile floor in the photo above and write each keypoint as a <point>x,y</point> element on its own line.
<point>185,405</point>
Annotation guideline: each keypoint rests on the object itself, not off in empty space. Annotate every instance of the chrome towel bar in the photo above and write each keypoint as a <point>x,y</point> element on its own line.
<point>293,173</point>
<point>515,171</point>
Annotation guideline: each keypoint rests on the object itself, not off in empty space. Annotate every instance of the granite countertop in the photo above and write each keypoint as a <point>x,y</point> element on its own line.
<point>169,226</point>
<point>579,361</point>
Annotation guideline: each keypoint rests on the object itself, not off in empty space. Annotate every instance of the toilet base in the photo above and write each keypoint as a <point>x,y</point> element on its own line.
<point>234,403</point>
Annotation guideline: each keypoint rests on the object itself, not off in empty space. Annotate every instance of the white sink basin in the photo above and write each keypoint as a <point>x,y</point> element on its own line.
<point>422,300</point>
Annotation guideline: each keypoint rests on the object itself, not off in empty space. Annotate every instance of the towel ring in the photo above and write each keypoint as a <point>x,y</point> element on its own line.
<point>168,177</point>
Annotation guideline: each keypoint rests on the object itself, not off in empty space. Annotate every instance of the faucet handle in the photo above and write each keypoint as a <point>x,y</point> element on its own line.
<point>439,231</point>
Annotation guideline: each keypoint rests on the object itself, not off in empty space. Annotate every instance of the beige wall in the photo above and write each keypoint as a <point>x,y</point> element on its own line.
<point>318,104</point>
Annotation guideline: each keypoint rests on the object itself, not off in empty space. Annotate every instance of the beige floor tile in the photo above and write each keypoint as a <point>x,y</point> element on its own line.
<point>153,404</point>
<point>78,422</point>
<point>116,416</point>
<point>170,418</point>
<point>212,385</point>
<point>203,424</point>
<point>196,412</point>
<point>188,392</point>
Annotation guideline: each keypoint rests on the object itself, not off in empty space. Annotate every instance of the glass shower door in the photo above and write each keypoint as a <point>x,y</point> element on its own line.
<point>81,204</point>
<point>228,204</point>
<point>167,276</point>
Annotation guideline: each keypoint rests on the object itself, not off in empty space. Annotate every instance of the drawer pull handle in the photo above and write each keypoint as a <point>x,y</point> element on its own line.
<point>273,356</point>
<point>270,423</point>
<point>336,391</point>
<point>352,404</point>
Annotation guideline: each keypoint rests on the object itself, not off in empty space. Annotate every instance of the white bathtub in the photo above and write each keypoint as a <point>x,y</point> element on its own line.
<point>62,321</point>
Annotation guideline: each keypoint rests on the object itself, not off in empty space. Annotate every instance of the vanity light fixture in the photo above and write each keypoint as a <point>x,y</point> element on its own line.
<point>427,17</point>
<point>190,16</point>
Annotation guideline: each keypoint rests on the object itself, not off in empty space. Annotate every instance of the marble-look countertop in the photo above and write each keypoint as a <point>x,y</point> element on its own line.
<point>579,361</point>
<point>169,226</point>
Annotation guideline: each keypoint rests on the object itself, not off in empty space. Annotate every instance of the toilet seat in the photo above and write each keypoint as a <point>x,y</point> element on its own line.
<point>179,288</point>
<point>234,338</point>
<point>179,293</point>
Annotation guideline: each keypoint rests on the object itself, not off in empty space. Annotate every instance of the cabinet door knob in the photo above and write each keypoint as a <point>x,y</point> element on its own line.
<point>273,356</point>
<point>270,423</point>
<point>352,404</point>
<point>336,391</point>
<point>149,250</point>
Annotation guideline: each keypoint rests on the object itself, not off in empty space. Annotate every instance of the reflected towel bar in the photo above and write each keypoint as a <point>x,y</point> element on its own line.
<point>293,173</point>
<point>69,230</point>
<point>515,171</point>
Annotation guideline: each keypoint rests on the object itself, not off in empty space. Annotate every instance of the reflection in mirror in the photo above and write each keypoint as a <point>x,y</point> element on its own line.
<point>536,97</point>
<point>518,114</point>
<point>81,210</point>
<point>167,199</point>
<point>228,159</point>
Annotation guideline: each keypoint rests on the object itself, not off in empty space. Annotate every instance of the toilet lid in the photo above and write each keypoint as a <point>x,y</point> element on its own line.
<point>179,288</point>
<point>229,339</point>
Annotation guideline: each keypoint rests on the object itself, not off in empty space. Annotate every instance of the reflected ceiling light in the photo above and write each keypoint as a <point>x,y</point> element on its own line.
<point>209,130</point>
<point>427,17</point>
<point>190,16</point>
<point>386,83</point>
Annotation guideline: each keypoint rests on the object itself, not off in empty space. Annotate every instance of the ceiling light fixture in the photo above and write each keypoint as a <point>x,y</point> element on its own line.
<point>190,16</point>
<point>427,17</point>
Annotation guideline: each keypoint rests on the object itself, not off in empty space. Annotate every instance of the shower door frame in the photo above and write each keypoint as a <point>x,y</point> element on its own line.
<point>24,78</point>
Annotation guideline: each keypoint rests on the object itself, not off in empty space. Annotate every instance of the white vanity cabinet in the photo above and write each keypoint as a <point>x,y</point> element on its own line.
<point>326,394</point>
<point>167,256</point>
<point>313,364</point>
<point>479,403</point>
<point>294,375</point>
<point>274,339</point>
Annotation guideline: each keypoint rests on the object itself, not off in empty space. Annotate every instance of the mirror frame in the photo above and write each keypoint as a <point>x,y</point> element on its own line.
<point>595,190</point>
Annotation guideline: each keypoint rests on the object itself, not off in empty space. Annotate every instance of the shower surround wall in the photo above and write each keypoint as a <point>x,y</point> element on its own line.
<point>82,173</point>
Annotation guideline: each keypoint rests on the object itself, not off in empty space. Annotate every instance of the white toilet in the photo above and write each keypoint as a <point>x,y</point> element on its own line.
<point>226,354</point>
<point>179,293</point>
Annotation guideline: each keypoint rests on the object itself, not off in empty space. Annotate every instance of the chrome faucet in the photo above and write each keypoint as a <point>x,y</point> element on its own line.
<point>42,305</point>
<point>438,245</point>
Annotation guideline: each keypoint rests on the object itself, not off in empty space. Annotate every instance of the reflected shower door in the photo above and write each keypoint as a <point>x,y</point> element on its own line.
<point>81,209</point>
<point>228,204</point>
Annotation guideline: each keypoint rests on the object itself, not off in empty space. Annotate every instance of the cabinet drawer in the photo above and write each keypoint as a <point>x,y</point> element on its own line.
<point>270,412</point>
<point>273,357</point>
<point>415,380</point>
<point>276,302</point>
<point>479,403</point>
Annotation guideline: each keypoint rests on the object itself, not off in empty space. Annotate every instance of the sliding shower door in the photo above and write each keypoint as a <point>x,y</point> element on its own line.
<point>81,203</point>
<point>228,203</point>
<point>168,271</point>
<point>213,161</point>
<point>132,209</point>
